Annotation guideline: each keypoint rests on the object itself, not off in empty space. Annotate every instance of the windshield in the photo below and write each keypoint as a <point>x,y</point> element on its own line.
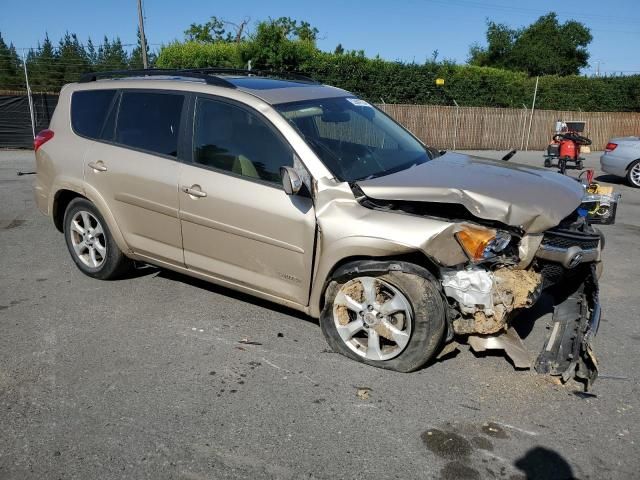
<point>353,139</point>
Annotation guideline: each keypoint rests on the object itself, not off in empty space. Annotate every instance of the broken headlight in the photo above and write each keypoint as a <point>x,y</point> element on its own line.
<point>482,243</point>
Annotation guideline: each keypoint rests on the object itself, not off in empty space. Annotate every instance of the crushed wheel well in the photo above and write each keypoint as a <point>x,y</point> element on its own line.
<point>60,203</point>
<point>416,258</point>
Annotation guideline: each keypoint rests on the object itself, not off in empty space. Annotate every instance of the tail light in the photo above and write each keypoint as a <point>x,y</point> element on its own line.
<point>43,137</point>
<point>610,147</point>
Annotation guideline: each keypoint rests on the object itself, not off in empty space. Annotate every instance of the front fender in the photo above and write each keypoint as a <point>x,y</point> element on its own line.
<point>336,253</point>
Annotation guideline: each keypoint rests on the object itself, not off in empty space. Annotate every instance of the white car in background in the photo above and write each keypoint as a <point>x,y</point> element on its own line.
<point>622,158</point>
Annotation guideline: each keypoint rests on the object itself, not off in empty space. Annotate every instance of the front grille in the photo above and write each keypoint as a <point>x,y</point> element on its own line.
<point>563,239</point>
<point>553,273</point>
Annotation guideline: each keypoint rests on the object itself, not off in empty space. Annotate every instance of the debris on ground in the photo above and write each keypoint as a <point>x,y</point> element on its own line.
<point>246,341</point>
<point>363,393</point>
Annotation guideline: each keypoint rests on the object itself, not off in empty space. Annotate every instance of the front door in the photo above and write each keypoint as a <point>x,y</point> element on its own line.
<point>238,224</point>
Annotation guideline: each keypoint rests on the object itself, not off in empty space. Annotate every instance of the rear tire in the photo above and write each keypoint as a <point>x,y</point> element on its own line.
<point>547,163</point>
<point>633,174</point>
<point>90,242</point>
<point>418,322</point>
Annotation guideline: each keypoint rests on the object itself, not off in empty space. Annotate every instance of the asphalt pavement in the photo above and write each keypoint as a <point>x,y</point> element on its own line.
<point>163,376</point>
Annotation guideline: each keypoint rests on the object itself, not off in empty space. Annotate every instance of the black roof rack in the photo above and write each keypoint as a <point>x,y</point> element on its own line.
<point>156,72</point>
<point>254,72</point>
<point>210,75</point>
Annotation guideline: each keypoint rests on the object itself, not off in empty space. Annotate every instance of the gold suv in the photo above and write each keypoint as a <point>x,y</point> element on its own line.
<point>307,196</point>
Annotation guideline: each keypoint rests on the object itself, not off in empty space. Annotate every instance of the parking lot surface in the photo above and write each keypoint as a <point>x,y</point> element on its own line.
<point>163,376</point>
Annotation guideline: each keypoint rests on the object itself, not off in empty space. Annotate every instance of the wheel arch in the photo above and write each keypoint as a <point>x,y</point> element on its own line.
<point>67,192</point>
<point>412,261</point>
<point>630,164</point>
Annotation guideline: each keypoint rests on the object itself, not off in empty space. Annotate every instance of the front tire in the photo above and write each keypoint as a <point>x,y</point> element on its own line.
<point>633,175</point>
<point>393,320</point>
<point>90,242</point>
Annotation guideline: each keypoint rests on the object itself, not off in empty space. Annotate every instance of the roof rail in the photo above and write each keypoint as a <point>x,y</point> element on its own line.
<point>151,72</point>
<point>257,72</point>
<point>209,74</point>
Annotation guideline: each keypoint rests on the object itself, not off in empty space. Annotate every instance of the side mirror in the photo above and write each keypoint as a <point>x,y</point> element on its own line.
<point>291,181</point>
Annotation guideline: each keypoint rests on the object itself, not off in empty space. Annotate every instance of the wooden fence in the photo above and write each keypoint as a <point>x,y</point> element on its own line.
<point>505,128</point>
<point>476,127</point>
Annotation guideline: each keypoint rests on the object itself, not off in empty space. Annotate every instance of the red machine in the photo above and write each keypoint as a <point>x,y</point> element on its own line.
<point>566,144</point>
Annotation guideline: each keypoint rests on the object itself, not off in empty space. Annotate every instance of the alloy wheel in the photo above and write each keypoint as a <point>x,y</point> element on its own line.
<point>634,174</point>
<point>373,318</point>
<point>88,239</point>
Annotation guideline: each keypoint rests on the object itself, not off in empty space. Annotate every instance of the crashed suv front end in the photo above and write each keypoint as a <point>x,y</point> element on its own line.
<point>415,248</point>
<point>493,265</point>
<point>566,264</point>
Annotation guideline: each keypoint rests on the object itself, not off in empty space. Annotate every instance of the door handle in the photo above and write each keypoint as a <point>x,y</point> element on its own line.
<point>98,166</point>
<point>194,191</point>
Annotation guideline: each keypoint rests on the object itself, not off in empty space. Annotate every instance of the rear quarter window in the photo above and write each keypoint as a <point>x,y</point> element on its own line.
<point>89,110</point>
<point>150,121</point>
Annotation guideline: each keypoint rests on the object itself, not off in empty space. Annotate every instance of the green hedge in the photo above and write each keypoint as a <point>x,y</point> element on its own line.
<point>393,82</point>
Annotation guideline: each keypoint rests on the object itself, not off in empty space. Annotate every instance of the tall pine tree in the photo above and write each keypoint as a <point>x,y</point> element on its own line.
<point>72,59</point>
<point>11,75</point>
<point>111,55</point>
<point>43,67</point>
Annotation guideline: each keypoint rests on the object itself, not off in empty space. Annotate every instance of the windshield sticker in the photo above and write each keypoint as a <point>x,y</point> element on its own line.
<point>358,102</point>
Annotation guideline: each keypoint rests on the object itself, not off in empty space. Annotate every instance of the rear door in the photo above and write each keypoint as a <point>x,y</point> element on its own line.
<point>134,166</point>
<point>238,224</point>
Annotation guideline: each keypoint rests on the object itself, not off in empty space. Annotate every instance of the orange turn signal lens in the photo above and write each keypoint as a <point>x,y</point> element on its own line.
<point>474,241</point>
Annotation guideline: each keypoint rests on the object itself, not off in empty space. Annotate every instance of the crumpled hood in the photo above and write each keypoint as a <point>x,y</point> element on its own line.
<point>532,198</point>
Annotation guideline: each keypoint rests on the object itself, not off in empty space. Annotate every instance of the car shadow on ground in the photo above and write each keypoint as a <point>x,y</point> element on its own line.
<point>613,179</point>
<point>227,292</point>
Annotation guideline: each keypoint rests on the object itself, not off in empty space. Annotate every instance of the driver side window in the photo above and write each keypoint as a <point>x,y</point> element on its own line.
<point>230,138</point>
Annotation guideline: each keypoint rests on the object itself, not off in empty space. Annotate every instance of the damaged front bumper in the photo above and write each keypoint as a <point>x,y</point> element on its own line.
<point>568,348</point>
<point>487,301</point>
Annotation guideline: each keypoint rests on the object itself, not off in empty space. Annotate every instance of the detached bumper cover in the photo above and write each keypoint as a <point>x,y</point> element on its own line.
<point>568,348</point>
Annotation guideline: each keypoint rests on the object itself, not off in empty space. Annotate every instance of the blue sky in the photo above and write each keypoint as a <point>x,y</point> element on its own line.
<point>397,30</point>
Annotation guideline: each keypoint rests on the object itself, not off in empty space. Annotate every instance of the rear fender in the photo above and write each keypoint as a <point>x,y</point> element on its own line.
<point>90,193</point>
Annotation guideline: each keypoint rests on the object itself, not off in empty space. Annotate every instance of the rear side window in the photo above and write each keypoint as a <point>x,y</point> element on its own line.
<point>150,121</point>
<point>89,109</point>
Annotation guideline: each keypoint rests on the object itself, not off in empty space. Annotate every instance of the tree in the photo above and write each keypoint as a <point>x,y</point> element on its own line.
<point>11,76</point>
<point>209,32</point>
<point>339,49</point>
<point>92,54</point>
<point>545,47</point>
<point>135,59</point>
<point>42,64</point>
<point>72,59</point>
<point>294,31</point>
<point>215,31</point>
<point>280,45</point>
<point>111,55</point>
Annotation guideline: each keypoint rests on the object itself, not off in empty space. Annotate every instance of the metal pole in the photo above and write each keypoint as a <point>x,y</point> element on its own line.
<point>455,129</point>
<point>533,106</point>
<point>29,96</point>
<point>143,40</point>
<point>524,125</point>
